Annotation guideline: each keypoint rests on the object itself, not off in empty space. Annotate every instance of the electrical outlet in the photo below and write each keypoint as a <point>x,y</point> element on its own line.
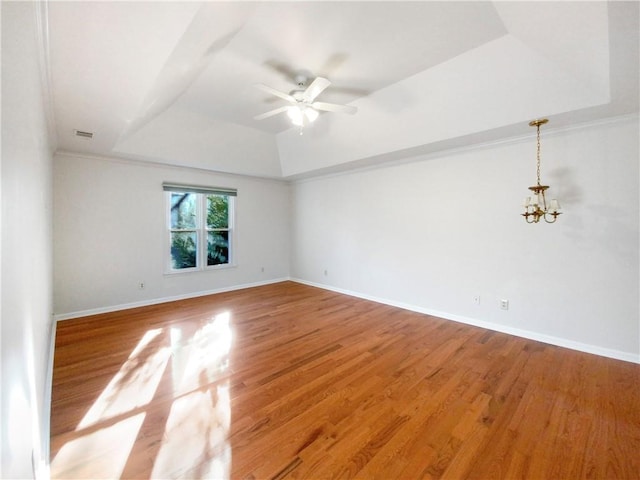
<point>504,304</point>
<point>326,272</point>
<point>141,285</point>
<point>476,299</point>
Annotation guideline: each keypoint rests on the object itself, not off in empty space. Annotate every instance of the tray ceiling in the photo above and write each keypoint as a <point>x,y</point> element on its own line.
<point>173,82</point>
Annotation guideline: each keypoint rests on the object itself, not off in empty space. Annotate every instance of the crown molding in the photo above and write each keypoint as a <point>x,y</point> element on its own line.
<point>413,155</point>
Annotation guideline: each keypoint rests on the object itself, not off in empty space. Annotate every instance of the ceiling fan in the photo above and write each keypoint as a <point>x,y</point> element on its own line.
<point>303,106</point>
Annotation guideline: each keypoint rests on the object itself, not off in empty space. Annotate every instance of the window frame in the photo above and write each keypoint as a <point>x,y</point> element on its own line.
<point>201,228</point>
<point>205,232</point>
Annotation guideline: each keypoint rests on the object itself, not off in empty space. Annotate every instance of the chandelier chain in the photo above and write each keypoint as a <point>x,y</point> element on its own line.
<point>538,156</point>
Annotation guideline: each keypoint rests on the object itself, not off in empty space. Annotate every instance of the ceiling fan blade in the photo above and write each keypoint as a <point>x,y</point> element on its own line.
<point>275,92</point>
<point>333,107</point>
<point>271,113</point>
<point>315,89</point>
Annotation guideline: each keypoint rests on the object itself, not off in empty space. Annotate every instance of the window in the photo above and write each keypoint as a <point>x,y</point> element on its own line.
<point>200,227</point>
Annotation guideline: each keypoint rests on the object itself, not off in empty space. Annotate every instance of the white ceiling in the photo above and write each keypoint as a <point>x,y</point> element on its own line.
<point>173,82</point>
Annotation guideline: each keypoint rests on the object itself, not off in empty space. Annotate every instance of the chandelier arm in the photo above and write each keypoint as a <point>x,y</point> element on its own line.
<point>554,215</point>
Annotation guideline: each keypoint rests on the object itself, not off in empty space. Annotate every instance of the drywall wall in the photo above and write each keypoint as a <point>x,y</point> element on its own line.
<point>26,249</point>
<point>110,233</point>
<point>433,233</point>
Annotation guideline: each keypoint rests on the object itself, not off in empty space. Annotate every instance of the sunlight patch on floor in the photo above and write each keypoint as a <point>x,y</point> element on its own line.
<point>197,429</point>
<point>106,450</point>
<point>194,443</point>
<point>134,385</point>
<point>204,358</point>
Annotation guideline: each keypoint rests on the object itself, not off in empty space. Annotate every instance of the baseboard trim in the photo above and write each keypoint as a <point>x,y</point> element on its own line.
<point>41,465</point>
<point>528,334</point>
<point>156,301</point>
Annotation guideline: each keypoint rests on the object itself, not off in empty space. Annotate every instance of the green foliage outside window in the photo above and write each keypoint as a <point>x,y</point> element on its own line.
<point>217,211</point>
<point>183,250</point>
<point>217,240</point>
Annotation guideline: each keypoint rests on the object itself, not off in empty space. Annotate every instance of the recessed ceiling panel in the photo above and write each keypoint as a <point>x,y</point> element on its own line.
<point>359,46</point>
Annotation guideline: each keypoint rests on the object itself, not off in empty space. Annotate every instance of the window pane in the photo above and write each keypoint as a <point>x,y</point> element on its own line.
<point>183,210</point>
<point>217,211</point>
<point>183,250</point>
<point>217,248</point>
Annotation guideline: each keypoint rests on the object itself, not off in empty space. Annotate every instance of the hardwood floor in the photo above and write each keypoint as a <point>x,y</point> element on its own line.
<point>290,381</point>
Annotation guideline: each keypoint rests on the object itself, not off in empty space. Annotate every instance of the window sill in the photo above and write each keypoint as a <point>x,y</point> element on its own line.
<point>213,268</point>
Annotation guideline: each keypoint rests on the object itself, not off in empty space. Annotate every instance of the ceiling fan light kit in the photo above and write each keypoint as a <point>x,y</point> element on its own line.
<point>303,108</point>
<point>298,113</point>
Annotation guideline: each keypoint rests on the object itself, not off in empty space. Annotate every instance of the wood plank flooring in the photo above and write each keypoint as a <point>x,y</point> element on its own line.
<point>288,381</point>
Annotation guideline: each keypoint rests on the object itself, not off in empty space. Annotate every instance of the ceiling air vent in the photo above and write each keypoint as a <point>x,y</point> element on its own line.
<point>80,133</point>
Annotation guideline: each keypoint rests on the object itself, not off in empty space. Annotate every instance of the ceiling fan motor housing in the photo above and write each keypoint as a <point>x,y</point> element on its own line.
<point>297,95</point>
<point>301,80</point>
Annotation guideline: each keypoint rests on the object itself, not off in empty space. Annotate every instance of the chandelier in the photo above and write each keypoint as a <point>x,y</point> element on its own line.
<point>535,206</point>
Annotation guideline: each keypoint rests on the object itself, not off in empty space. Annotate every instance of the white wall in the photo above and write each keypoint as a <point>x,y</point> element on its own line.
<point>26,248</point>
<point>432,233</point>
<point>109,234</point>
